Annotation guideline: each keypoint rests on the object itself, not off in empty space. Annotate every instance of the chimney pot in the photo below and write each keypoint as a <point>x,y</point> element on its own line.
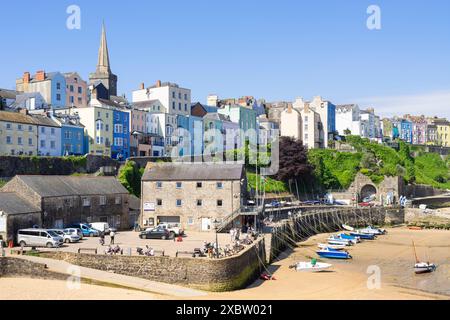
<point>158,83</point>
<point>26,77</point>
<point>142,86</point>
<point>40,75</point>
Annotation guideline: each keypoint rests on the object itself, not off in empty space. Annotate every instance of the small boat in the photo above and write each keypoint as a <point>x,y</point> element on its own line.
<point>371,230</point>
<point>348,228</point>
<point>422,267</point>
<point>354,239</point>
<point>415,228</point>
<point>363,236</point>
<point>334,254</point>
<point>338,240</point>
<point>312,267</point>
<point>332,246</point>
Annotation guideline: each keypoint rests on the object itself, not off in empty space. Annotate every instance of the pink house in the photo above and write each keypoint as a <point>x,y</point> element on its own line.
<point>76,90</point>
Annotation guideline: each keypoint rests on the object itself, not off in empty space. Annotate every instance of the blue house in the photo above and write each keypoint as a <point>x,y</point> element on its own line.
<point>120,148</point>
<point>194,126</point>
<point>72,134</point>
<point>406,131</point>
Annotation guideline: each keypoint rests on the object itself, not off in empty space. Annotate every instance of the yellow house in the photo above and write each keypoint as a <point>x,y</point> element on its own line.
<point>18,134</point>
<point>98,123</point>
<point>443,132</point>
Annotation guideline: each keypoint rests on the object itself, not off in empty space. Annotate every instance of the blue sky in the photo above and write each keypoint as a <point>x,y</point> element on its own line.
<point>277,50</point>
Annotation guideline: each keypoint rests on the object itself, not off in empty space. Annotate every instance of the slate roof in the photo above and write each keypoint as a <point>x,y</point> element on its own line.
<point>8,94</point>
<point>58,186</point>
<point>11,203</point>
<point>45,121</point>
<point>192,172</point>
<point>16,117</point>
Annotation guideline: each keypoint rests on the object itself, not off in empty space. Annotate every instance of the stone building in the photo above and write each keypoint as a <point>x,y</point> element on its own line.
<point>16,213</point>
<point>69,199</point>
<point>194,195</point>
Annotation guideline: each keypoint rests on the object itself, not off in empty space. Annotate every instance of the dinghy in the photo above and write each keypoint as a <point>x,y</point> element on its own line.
<point>334,254</point>
<point>332,246</point>
<point>348,228</point>
<point>371,230</point>
<point>355,240</point>
<point>338,240</point>
<point>312,267</point>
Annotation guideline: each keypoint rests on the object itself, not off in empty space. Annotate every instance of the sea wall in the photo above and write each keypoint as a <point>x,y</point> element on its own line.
<point>15,267</point>
<point>226,274</point>
<point>287,233</point>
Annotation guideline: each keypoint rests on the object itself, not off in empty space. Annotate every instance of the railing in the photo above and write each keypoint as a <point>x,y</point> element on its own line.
<point>229,218</point>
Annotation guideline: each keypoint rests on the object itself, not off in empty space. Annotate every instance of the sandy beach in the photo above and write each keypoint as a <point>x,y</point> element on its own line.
<point>391,253</point>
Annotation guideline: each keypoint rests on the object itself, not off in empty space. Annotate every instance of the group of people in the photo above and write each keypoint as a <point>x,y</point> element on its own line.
<point>112,235</point>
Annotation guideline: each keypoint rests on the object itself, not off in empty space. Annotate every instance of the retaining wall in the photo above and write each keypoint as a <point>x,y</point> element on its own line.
<point>226,274</point>
<point>15,267</point>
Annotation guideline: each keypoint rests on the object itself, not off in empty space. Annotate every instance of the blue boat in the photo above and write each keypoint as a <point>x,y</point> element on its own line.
<point>364,236</point>
<point>334,254</point>
<point>350,237</point>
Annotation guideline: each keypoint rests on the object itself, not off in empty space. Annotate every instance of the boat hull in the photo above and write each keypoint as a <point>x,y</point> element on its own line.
<point>308,267</point>
<point>334,255</point>
<point>364,236</point>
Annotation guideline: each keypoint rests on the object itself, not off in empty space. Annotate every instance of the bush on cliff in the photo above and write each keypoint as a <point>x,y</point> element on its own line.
<point>130,177</point>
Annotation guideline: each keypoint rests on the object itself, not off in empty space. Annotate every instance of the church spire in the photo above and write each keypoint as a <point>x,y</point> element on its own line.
<point>103,54</point>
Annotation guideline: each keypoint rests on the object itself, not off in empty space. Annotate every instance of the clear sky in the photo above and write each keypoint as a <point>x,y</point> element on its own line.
<point>277,50</point>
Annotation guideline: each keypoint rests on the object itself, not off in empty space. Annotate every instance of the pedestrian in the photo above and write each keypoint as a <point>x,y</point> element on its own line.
<point>102,238</point>
<point>238,234</point>
<point>112,234</point>
<point>232,234</point>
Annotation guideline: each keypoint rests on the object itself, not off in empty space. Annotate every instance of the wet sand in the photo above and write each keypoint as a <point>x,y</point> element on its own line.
<point>392,253</point>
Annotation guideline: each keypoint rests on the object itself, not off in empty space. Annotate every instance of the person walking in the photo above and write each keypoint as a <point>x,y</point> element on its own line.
<point>112,234</point>
<point>102,238</point>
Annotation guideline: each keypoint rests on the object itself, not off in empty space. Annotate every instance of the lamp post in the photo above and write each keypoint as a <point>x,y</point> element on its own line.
<point>216,227</point>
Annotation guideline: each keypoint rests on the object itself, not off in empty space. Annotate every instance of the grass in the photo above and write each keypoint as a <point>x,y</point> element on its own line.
<point>270,185</point>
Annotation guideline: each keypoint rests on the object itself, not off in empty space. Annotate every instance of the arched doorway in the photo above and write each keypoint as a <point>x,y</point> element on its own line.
<point>368,191</point>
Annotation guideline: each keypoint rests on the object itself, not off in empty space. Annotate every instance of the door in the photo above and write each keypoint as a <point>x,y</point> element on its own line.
<point>169,219</point>
<point>206,224</point>
<point>59,224</point>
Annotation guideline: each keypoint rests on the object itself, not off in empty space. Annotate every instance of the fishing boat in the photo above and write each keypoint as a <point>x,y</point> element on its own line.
<point>332,246</point>
<point>363,236</point>
<point>312,266</point>
<point>334,254</point>
<point>372,230</point>
<point>349,237</point>
<point>422,267</point>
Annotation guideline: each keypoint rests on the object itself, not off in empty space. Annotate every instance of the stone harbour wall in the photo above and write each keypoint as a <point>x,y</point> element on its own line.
<point>226,274</point>
<point>15,267</point>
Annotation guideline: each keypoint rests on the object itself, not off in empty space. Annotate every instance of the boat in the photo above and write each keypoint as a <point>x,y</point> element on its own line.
<point>371,230</point>
<point>422,267</point>
<point>354,239</point>
<point>338,240</point>
<point>334,254</point>
<point>332,246</point>
<point>363,236</point>
<point>348,228</point>
<point>415,228</point>
<point>312,266</point>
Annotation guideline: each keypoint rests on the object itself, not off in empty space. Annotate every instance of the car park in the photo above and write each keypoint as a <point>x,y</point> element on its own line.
<point>102,227</point>
<point>74,231</point>
<point>86,230</point>
<point>67,237</point>
<point>39,238</point>
<point>155,233</point>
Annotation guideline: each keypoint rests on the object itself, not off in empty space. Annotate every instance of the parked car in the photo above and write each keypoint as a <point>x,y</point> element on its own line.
<point>86,230</point>
<point>155,233</point>
<point>39,238</point>
<point>102,227</point>
<point>366,204</point>
<point>74,231</point>
<point>312,202</point>
<point>67,237</point>
<point>174,228</point>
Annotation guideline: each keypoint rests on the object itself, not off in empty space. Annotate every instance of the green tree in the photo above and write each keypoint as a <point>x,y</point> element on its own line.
<point>130,177</point>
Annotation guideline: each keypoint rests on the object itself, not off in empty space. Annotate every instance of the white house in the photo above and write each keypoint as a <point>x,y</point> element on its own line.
<point>348,118</point>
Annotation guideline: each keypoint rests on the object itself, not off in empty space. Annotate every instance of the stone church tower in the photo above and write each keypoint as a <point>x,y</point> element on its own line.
<point>103,72</point>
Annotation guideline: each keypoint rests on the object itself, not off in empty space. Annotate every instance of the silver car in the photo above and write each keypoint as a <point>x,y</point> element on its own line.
<point>67,237</point>
<point>39,238</point>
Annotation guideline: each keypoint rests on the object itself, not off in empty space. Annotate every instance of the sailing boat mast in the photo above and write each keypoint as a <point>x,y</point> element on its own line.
<point>415,253</point>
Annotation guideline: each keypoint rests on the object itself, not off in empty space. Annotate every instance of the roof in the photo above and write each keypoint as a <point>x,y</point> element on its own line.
<point>144,104</point>
<point>58,186</point>
<point>45,121</point>
<point>48,76</point>
<point>192,172</point>
<point>8,94</point>
<point>11,203</point>
<point>16,117</point>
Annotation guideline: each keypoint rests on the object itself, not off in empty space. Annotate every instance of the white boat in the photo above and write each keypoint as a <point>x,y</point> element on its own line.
<point>422,267</point>
<point>335,241</point>
<point>332,246</point>
<point>348,228</point>
<point>371,230</point>
<point>309,267</point>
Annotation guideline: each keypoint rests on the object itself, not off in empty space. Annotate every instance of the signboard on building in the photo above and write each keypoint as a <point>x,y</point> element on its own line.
<point>2,222</point>
<point>149,206</point>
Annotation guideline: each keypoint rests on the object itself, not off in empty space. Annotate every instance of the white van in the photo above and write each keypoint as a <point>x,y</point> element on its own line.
<point>102,227</point>
<point>39,238</point>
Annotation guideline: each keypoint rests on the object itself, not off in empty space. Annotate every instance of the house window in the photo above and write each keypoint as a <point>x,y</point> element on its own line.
<point>173,105</point>
<point>19,140</point>
<point>179,184</point>
<point>80,90</point>
<point>71,88</point>
<point>19,127</point>
<point>159,184</point>
<point>86,202</point>
<point>219,185</point>
<point>185,96</point>
<point>159,202</point>
<point>199,202</point>
<point>179,202</point>
<point>53,131</point>
<point>219,203</point>
<point>179,95</point>
<point>118,200</point>
<point>42,143</point>
<point>190,220</point>
<point>199,184</point>
<point>53,144</point>
<point>173,94</point>
<point>102,200</point>
<point>30,141</point>
<point>42,130</point>
<point>8,126</point>
<point>8,140</point>
<point>179,106</point>
<point>72,99</point>
<point>58,86</point>
<point>58,97</point>
<point>30,128</point>
<point>106,127</point>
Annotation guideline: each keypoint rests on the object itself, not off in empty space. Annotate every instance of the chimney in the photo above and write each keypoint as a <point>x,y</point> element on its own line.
<point>40,75</point>
<point>142,86</point>
<point>158,83</point>
<point>289,107</point>
<point>23,111</point>
<point>26,77</point>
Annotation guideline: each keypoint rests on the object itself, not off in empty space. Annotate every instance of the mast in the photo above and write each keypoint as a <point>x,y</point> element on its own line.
<point>415,253</point>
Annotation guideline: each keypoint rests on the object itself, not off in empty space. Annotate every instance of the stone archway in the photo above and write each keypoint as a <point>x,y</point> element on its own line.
<point>368,190</point>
